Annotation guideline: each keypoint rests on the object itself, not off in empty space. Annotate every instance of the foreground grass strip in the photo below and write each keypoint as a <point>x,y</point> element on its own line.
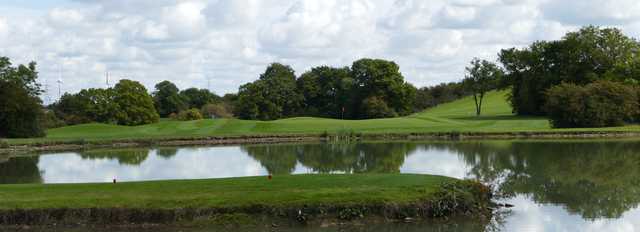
<point>289,196</point>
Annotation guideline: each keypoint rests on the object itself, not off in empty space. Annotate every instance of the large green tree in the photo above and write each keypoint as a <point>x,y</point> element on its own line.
<point>135,104</point>
<point>381,79</point>
<point>168,100</point>
<point>20,105</point>
<point>273,96</point>
<point>326,91</point>
<point>197,98</point>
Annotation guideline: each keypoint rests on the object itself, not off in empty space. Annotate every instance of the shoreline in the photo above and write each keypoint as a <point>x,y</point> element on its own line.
<point>429,197</point>
<point>82,144</point>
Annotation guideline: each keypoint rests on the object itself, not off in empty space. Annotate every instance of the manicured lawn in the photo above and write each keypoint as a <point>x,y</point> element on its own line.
<point>289,190</point>
<point>456,116</point>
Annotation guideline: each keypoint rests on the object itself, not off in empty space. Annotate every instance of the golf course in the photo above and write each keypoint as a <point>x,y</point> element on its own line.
<point>288,198</point>
<point>457,116</point>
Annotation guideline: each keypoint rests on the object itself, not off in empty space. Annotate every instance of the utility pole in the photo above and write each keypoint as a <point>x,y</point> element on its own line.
<point>46,93</point>
<point>59,89</point>
<point>60,83</point>
<point>107,79</point>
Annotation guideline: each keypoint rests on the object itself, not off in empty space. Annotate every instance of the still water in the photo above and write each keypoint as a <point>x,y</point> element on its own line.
<point>576,185</point>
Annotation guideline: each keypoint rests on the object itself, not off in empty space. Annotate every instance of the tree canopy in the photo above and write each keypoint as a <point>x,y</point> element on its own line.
<point>580,57</point>
<point>371,88</point>
<point>20,105</point>
<point>167,99</point>
<point>136,105</point>
<point>482,77</point>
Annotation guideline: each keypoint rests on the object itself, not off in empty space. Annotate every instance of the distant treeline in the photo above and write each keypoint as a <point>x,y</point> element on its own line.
<point>129,103</point>
<point>555,78</point>
<point>589,78</point>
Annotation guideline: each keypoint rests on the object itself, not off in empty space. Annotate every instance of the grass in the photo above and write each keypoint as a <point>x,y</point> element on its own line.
<point>457,116</point>
<point>288,190</point>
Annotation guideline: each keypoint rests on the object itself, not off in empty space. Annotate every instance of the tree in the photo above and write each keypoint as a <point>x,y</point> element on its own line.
<point>272,96</point>
<point>197,98</point>
<point>382,79</point>
<point>20,105</point>
<point>167,99</point>
<point>135,104</point>
<point>482,76</point>
<point>88,105</point>
<point>580,57</point>
<point>326,91</point>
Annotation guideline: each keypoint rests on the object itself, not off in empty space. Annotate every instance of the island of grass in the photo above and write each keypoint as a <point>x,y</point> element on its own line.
<point>454,119</point>
<point>245,200</point>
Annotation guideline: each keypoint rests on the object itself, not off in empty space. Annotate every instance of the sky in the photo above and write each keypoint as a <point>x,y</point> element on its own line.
<point>223,44</point>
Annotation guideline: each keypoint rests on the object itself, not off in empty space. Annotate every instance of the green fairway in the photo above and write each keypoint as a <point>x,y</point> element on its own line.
<point>457,116</point>
<point>288,190</point>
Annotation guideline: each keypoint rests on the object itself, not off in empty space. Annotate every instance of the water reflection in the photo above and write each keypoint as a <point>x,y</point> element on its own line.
<point>568,185</point>
<point>330,158</point>
<point>593,179</point>
<point>20,171</point>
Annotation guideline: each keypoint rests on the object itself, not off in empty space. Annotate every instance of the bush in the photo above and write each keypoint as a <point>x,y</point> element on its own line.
<point>190,114</point>
<point>215,111</point>
<point>598,104</point>
<point>375,107</point>
<point>4,143</point>
<point>173,116</point>
<point>50,120</point>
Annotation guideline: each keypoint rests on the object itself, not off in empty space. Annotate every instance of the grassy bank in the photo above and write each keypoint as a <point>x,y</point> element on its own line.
<point>455,117</point>
<point>318,196</point>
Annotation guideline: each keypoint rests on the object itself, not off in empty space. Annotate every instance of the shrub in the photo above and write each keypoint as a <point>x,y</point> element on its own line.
<point>190,114</point>
<point>4,143</point>
<point>598,104</point>
<point>50,120</point>
<point>375,107</point>
<point>215,111</point>
<point>173,116</point>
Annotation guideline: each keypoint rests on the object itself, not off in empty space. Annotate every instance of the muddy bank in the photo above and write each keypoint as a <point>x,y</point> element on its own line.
<point>460,198</point>
<point>80,144</point>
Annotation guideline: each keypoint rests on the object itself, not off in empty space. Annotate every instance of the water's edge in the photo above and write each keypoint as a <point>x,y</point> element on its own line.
<point>82,144</point>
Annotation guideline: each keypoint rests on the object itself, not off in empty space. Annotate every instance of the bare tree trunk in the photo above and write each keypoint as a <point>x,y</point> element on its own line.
<point>480,105</point>
<point>475,99</point>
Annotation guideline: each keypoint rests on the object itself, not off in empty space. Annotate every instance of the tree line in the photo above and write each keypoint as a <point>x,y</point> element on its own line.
<point>588,78</point>
<point>129,103</point>
<point>370,88</point>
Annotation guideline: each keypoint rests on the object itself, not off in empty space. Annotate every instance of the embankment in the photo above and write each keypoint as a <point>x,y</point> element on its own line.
<point>295,199</point>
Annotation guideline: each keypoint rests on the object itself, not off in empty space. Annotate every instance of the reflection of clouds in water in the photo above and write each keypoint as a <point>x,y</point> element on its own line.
<point>189,163</point>
<point>530,216</point>
<point>436,162</point>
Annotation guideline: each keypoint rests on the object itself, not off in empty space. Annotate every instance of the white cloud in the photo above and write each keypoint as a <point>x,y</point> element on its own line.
<point>231,41</point>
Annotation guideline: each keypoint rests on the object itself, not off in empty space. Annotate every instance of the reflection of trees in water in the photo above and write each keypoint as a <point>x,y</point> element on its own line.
<point>124,156</point>
<point>167,152</point>
<point>593,179</point>
<point>323,158</point>
<point>20,170</point>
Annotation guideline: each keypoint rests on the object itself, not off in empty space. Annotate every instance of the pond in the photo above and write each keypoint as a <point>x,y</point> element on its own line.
<point>572,185</point>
